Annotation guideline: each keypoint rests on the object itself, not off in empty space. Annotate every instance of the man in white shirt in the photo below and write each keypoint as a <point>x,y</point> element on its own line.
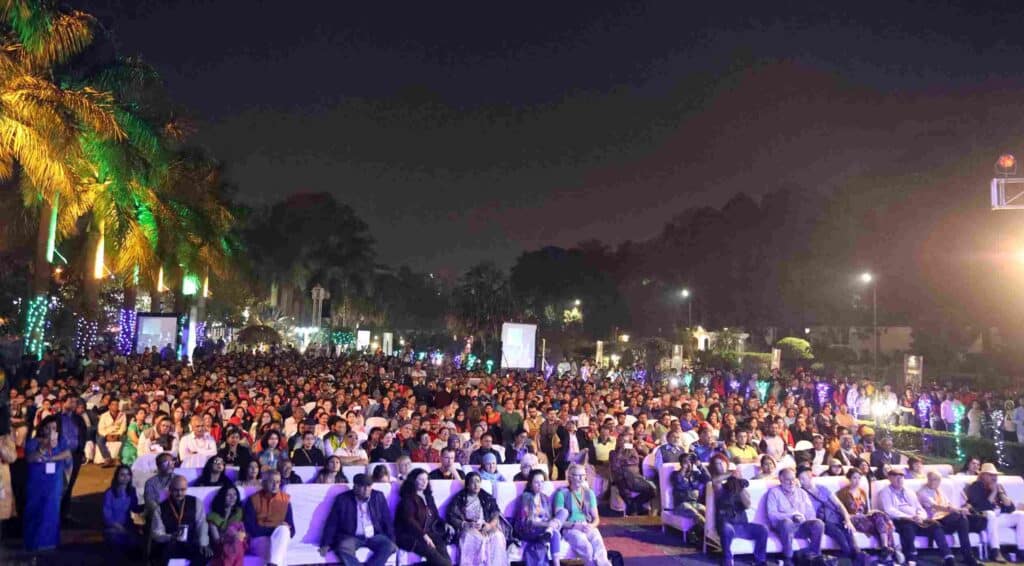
<point>196,447</point>
<point>947,414</point>
<point>350,452</point>
<point>111,428</point>
<point>953,519</point>
<point>910,519</point>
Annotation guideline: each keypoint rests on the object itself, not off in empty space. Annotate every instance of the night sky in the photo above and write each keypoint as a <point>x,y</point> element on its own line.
<point>470,131</point>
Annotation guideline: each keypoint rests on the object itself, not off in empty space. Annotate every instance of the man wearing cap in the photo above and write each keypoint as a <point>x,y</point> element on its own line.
<point>911,520</point>
<point>987,497</point>
<point>791,514</point>
<point>359,517</point>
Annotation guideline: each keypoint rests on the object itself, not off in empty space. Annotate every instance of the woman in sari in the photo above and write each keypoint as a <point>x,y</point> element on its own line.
<point>870,522</point>
<point>130,446</point>
<point>477,521</point>
<point>536,525</point>
<point>227,528</point>
<point>47,456</point>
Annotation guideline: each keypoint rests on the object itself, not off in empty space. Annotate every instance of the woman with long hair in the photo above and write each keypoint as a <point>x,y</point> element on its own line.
<point>478,524</point>
<point>536,525</point>
<point>331,472</point>
<point>227,527</point>
<point>270,451</point>
<point>418,526</point>
<point>250,475</point>
<point>213,473</point>
<point>119,502</point>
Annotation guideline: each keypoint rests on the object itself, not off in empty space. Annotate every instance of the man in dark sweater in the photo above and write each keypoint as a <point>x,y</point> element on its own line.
<point>179,528</point>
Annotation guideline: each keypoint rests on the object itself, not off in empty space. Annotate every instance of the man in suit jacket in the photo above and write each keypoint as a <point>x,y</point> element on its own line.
<point>359,517</point>
<point>574,442</point>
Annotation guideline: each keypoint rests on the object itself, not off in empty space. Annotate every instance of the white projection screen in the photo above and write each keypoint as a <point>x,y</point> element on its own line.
<point>518,345</point>
<point>156,330</point>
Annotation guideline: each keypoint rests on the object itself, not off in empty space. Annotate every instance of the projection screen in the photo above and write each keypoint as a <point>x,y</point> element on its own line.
<point>518,345</point>
<point>156,330</point>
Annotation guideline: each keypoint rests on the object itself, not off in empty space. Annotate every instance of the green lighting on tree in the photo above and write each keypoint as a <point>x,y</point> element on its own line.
<point>35,325</point>
<point>51,235</point>
<point>190,284</point>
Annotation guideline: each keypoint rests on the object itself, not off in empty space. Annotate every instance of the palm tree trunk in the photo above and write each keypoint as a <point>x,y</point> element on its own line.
<point>41,266</point>
<point>91,283</point>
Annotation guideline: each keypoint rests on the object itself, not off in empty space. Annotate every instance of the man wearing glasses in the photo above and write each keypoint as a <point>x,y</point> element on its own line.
<point>580,528</point>
<point>350,452</point>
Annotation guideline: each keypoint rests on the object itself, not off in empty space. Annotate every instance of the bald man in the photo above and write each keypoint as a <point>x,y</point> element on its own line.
<point>179,527</point>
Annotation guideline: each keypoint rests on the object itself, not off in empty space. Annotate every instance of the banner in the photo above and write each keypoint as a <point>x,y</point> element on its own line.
<point>388,343</point>
<point>776,359</point>
<point>913,370</point>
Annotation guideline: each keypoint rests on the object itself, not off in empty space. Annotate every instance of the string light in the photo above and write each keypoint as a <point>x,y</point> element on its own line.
<point>762,389</point>
<point>822,388</point>
<point>958,413</point>
<point>125,336</point>
<point>85,334</point>
<point>924,411</point>
<point>997,421</point>
<point>35,325</point>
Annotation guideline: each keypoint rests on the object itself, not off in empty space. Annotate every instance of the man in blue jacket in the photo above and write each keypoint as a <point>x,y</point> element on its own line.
<point>359,517</point>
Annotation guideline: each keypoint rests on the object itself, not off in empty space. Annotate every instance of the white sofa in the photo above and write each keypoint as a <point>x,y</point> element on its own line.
<point>311,505</point>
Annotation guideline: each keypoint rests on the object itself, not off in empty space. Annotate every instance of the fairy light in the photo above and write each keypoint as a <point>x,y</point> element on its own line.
<point>85,334</point>
<point>35,325</point>
<point>127,320</point>
<point>762,389</point>
<point>997,436</point>
<point>822,388</point>
<point>958,413</point>
<point>924,411</point>
<point>201,333</point>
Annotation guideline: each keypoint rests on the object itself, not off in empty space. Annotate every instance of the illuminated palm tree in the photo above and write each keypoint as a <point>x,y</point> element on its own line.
<point>40,122</point>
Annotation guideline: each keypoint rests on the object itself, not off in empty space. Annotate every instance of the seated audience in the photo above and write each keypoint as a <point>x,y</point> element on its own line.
<point>537,525</point>
<point>418,526</point>
<point>179,529</point>
<point>119,502</point>
<point>227,527</point>
<point>791,514</point>
<point>478,524</point>
<point>268,520</point>
<point>579,530</point>
<point>986,497</point>
<point>359,518</point>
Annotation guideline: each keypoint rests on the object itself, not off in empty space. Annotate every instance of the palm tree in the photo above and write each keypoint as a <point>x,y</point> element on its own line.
<point>40,122</point>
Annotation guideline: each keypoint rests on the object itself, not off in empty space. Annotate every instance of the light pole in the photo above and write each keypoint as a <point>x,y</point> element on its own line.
<point>319,295</point>
<point>869,279</point>
<point>685,293</point>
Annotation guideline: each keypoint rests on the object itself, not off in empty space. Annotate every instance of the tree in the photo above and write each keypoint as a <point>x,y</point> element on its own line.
<point>481,302</point>
<point>795,349</point>
<point>309,239</point>
<point>40,122</point>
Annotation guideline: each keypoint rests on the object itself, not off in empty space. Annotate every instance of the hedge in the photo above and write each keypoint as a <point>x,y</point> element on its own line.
<point>942,445</point>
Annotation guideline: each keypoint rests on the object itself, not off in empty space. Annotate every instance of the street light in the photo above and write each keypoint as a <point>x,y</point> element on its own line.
<point>869,279</point>
<point>577,302</point>
<point>685,293</point>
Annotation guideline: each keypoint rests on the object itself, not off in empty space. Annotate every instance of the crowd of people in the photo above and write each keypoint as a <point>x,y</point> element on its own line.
<point>266,413</point>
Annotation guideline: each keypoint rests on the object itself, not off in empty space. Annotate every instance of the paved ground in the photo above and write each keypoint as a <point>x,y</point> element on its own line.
<point>641,541</point>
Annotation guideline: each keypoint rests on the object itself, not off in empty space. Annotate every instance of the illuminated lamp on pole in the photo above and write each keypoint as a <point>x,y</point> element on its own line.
<point>1006,165</point>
